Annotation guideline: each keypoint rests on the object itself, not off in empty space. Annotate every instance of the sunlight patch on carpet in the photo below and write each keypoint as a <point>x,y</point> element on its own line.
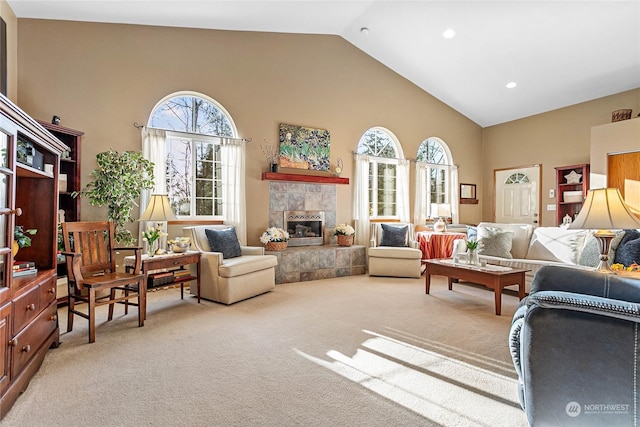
<point>440,388</point>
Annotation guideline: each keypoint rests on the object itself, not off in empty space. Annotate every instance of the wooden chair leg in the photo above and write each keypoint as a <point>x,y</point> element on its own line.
<point>126,302</point>
<point>70,308</point>
<point>142,302</point>
<point>92,315</point>
<point>112,296</point>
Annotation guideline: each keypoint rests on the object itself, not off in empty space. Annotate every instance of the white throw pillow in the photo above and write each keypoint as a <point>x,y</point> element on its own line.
<point>556,244</point>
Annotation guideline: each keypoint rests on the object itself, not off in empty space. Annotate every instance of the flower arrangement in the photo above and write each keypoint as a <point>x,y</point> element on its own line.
<point>472,245</point>
<point>271,152</point>
<point>344,230</point>
<point>151,234</point>
<point>274,234</point>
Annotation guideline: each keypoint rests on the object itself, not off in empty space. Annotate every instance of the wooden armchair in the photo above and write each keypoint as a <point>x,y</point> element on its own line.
<point>91,268</point>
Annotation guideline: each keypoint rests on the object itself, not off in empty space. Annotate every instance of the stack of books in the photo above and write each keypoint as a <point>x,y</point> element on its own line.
<point>180,275</point>
<point>159,279</point>
<point>21,268</point>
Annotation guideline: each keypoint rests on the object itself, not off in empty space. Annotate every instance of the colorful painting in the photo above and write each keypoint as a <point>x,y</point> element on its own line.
<point>304,148</point>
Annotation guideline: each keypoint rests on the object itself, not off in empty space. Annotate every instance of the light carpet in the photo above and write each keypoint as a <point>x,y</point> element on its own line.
<point>352,351</point>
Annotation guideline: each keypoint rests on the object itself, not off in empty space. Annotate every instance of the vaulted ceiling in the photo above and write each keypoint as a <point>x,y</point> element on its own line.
<point>558,53</point>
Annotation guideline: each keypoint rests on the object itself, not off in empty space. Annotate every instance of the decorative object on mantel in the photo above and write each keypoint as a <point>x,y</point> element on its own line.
<point>573,177</point>
<point>271,152</point>
<point>304,148</point>
<point>619,115</point>
<point>345,234</point>
<point>338,168</point>
<point>275,239</point>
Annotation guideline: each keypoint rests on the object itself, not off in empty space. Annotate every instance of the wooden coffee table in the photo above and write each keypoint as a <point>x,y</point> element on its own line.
<point>492,276</point>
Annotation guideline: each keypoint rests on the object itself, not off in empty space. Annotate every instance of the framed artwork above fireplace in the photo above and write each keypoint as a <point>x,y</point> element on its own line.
<point>304,148</point>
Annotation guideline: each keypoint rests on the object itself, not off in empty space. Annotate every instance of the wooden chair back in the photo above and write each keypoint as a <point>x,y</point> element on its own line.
<point>93,240</point>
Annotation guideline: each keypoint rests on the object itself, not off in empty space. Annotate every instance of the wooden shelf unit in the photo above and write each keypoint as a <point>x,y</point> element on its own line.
<point>28,306</point>
<point>570,208</point>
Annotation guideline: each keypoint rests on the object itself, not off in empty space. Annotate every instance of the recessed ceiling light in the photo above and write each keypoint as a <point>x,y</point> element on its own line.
<point>364,31</point>
<point>511,85</point>
<point>449,34</point>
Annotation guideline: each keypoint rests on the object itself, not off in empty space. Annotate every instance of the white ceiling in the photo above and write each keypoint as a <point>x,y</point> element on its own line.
<point>559,53</point>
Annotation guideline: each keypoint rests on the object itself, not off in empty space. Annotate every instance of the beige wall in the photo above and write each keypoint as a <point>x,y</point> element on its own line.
<point>611,138</point>
<point>12,49</point>
<point>556,138</point>
<point>100,78</point>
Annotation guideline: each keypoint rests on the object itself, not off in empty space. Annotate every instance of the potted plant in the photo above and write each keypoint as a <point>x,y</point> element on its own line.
<point>21,238</point>
<point>345,234</point>
<point>275,239</point>
<point>117,183</point>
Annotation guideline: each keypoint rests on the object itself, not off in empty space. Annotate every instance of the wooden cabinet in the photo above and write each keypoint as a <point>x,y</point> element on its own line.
<point>29,168</point>
<point>572,184</point>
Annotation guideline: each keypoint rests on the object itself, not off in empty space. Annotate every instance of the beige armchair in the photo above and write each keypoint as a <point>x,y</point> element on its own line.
<point>393,261</point>
<point>232,279</point>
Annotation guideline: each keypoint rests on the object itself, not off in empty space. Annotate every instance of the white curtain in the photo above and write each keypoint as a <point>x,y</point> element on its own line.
<point>233,185</point>
<point>361,200</point>
<point>455,194</point>
<point>420,211</point>
<point>153,148</point>
<point>402,193</point>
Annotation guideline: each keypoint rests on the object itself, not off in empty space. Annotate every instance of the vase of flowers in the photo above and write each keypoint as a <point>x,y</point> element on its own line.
<point>345,234</point>
<point>151,235</point>
<point>275,239</point>
<point>472,252</point>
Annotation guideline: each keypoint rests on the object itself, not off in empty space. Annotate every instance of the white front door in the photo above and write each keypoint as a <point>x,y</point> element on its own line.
<point>517,195</point>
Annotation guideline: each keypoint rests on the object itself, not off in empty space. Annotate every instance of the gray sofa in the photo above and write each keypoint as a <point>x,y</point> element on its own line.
<point>574,344</point>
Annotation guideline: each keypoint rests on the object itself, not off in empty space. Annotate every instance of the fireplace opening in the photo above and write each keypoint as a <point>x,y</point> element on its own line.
<point>305,228</point>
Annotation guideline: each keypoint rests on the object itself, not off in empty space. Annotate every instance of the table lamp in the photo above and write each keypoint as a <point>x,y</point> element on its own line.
<point>440,211</point>
<point>604,210</point>
<point>158,210</point>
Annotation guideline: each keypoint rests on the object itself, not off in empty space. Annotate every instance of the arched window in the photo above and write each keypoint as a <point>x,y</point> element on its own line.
<point>384,152</point>
<point>194,126</point>
<point>436,181</point>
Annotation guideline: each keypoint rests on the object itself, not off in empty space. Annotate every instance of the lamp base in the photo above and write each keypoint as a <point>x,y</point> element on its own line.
<point>604,241</point>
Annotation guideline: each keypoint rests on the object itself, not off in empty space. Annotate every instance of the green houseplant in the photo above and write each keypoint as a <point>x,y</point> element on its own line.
<point>21,237</point>
<point>117,183</point>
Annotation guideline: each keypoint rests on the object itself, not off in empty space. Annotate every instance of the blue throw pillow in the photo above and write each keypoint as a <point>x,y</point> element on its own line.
<point>225,241</point>
<point>472,232</point>
<point>394,236</point>
<point>628,250</point>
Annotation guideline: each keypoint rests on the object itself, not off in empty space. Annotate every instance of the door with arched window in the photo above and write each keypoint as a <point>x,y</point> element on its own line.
<point>517,195</point>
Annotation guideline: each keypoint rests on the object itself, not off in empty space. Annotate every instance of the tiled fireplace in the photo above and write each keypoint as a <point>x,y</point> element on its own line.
<point>311,257</point>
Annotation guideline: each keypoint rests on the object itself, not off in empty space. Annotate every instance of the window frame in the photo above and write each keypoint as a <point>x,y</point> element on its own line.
<point>446,166</point>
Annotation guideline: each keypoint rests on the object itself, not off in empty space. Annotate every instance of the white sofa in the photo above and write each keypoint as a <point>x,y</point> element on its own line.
<point>534,247</point>
<point>233,279</point>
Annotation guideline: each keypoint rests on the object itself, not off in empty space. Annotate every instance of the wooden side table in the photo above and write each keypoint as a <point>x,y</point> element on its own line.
<point>169,261</point>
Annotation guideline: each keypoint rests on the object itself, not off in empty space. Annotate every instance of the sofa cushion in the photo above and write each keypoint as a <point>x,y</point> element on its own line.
<point>225,241</point>
<point>556,244</point>
<point>521,236</point>
<point>590,255</point>
<point>395,252</point>
<point>472,232</point>
<point>628,250</point>
<point>494,242</point>
<point>246,264</point>
<point>394,236</point>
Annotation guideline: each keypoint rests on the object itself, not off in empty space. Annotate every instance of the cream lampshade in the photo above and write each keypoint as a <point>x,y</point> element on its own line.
<point>604,210</point>
<point>158,209</point>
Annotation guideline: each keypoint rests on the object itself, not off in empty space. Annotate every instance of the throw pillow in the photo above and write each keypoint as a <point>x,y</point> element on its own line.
<point>628,250</point>
<point>394,235</point>
<point>472,232</point>
<point>494,242</point>
<point>590,255</point>
<point>556,244</point>
<point>225,241</point>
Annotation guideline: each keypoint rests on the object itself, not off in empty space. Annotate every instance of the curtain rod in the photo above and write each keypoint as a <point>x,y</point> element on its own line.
<point>355,153</point>
<point>247,140</point>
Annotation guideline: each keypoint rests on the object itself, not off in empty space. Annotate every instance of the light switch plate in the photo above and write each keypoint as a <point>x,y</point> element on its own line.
<point>551,207</point>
